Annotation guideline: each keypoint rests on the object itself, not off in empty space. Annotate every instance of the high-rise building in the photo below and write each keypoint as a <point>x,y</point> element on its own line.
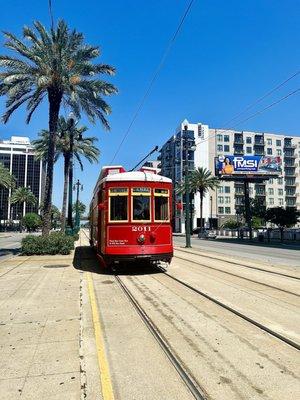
<point>224,203</point>
<point>17,155</point>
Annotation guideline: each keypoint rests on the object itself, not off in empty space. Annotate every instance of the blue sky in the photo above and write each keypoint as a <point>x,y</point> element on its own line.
<point>226,56</point>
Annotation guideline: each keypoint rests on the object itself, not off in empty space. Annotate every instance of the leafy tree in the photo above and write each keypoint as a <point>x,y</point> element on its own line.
<point>83,148</point>
<point>257,208</point>
<point>56,65</point>
<point>55,216</point>
<point>282,217</point>
<point>81,208</point>
<point>202,180</point>
<point>232,224</point>
<point>31,221</point>
<point>6,179</point>
<point>23,195</point>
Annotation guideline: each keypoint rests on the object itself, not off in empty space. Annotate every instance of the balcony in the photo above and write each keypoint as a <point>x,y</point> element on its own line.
<point>289,154</point>
<point>289,145</point>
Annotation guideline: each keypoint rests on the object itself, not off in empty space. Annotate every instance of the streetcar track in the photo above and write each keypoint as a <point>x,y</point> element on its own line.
<point>237,263</point>
<point>238,276</point>
<point>187,378</point>
<point>232,310</point>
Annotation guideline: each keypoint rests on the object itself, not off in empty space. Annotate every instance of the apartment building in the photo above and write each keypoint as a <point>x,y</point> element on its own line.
<point>225,202</point>
<point>17,155</point>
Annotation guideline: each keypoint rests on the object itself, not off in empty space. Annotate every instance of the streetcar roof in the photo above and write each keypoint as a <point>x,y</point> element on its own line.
<point>141,176</point>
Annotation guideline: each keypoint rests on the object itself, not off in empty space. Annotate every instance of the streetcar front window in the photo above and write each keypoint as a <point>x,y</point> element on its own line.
<point>161,205</point>
<point>118,204</point>
<point>141,204</point>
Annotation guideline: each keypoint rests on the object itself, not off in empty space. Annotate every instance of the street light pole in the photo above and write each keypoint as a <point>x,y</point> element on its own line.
<point>210,224</point>
<point>187,193</point>
<point>77,216</point>
<point>70,197</point>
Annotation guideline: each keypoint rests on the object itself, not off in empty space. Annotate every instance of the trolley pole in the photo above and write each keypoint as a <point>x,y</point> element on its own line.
<point>77,216</point>
<point>187,193</point>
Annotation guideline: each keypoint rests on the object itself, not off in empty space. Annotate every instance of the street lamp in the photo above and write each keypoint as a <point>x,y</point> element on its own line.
<point>77,216</point>
<point>187,190</point>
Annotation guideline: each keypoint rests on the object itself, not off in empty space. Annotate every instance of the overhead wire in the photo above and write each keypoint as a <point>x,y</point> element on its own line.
<point>154,77</point>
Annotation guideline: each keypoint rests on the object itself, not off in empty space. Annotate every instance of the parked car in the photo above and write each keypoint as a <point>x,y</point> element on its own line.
<point>207,235</point>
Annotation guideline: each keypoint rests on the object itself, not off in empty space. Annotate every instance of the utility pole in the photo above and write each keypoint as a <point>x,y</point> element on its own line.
<point>210,224</point>
<point>77,215</point>
<point>187,191</point>
<point>247,207</point>
<point>69,229</point>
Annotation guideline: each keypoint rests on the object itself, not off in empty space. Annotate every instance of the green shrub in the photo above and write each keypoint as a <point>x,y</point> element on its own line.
<point>54,243</point>
<point>31,221</point>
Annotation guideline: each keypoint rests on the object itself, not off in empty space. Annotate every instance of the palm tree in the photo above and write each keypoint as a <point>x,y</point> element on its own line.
<point>6,179</point>
<point>56,65</point>
<point>202,180</point>
<point>23,195</point>
<point>82,147</point>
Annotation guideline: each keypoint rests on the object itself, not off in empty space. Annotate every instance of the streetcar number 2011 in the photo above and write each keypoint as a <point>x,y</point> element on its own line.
<point>141,228</point>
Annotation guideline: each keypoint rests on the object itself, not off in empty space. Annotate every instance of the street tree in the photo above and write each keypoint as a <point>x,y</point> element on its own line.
<point>56,65</point>
<point>282,217</point>
<point>6,179</point>
<point>202,180</point>
<point>31,221</point>
<point>83,147</point>
<point>81,208</point>
<point>23,195</point>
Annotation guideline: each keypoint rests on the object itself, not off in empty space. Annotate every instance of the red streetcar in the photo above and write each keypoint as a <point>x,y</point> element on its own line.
<point>130,216</point>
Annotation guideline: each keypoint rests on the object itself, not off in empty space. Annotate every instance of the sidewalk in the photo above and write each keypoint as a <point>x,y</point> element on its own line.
<point>46,337</point>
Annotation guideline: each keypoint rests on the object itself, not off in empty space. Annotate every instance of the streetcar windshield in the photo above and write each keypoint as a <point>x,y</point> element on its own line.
<point>161,205</point>
<point>118,204</point>
<point>141,204</point>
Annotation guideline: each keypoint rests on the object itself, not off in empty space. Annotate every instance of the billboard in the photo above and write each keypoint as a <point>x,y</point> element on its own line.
<point>248,165</point>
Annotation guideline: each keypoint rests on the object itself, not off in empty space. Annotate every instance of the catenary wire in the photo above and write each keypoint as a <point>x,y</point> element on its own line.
<point>251,116</point>
<point>251,105</point>
<point>154,77</point>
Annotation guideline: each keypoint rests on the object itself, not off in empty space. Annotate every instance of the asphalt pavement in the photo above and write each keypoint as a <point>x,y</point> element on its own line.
<point>281,255</point>
<point>10,243</point>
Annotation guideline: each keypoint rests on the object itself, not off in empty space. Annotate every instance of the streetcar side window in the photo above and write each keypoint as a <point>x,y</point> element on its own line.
<point>141,210</point>
<point>161,205</point>
<point>118,204</point>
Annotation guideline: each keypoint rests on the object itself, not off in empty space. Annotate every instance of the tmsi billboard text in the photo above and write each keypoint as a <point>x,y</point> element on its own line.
<point>244,165</point>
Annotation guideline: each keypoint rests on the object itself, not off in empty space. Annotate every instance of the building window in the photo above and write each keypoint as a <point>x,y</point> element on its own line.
<point>226,147</point>
<point>271,201</point>
<point>248,150</point>
<point>278,142</point>
<point>220,147</point>
<point>226,138</point>
<point>248,140</point>
<point>269,151</point>
<point>220,200</point>
<point>220,138</point>
<point>279,152</point>
<point>221,210</point>
<point>220,189</point>
<point>269,142</point>
<point>271,191</point>
<point>227,210</point>
<point>227,189</point>
<point>280,202</point>
<point>271,181</point>
<point>227,199</point>
<point>280,181</point>
<point>280,192</point>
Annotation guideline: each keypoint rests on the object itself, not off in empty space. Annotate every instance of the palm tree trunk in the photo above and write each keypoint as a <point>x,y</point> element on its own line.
<point>54,106</point>
<point>201,212</point>
<point>64,204</point>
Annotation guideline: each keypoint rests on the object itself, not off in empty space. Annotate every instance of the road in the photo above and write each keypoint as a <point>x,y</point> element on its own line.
<point>270,255</point>
<point>10,244</point>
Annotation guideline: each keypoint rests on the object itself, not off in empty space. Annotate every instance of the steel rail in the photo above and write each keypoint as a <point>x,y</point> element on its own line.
<point>234,311</point>
<point>187,379</point>
<point>237,263</point>
<point>238,276</point>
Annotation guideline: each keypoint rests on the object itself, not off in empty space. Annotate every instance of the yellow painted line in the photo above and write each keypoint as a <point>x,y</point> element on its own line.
<point>106,384</point>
